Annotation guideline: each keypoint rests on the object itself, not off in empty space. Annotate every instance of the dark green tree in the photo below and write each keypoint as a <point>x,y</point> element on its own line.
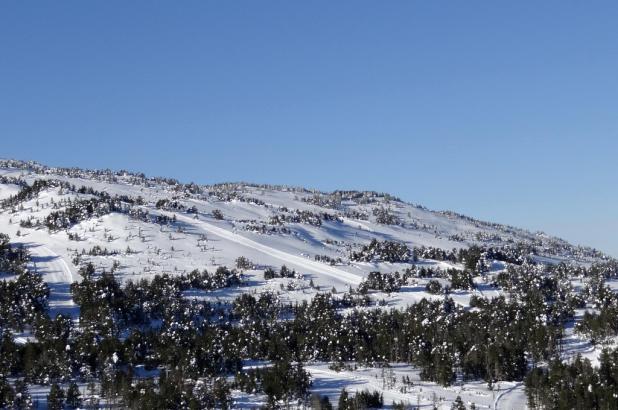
<point>55,398</point>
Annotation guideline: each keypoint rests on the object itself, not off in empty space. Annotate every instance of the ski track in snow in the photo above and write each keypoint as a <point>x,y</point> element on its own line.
<point>367,380</point>
<point>58,276</point>
<point>504,397</point>
<point>316,267</point>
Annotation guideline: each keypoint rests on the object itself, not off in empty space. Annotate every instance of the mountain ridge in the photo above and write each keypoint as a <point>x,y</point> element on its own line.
<point>109,175</point>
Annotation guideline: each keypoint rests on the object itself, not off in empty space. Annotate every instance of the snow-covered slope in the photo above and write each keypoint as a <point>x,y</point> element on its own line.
<point>139,227</point>
<point>270,225</point>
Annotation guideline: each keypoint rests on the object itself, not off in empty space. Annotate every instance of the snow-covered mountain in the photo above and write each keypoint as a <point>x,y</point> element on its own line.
<point>139,227</point>
<point>214,224</point>
<point>159,225</point>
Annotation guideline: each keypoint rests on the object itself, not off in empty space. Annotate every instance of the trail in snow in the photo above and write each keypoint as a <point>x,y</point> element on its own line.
<point>510,401</point>
<point>310,265</point>
<point>364,381</point>
<point>58,276</point>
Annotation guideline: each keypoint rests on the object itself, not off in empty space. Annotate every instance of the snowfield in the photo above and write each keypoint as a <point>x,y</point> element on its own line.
<point>271,226</point>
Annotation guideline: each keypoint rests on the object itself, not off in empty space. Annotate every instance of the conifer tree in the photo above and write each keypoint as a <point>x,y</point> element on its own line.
<point>73,396</point>
<point>55,398</point>
<point>458,404</point>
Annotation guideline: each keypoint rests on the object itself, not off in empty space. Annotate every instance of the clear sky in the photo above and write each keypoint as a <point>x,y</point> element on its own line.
<point>505,111</point>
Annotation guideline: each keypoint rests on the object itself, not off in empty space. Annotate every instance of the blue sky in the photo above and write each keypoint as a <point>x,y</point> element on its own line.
<point>503,111</point>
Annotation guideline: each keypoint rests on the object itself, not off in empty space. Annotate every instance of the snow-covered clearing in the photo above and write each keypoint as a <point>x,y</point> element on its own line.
<point>388,381</point>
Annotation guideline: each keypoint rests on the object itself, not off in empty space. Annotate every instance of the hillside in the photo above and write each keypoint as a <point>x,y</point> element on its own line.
<point>349,253</point>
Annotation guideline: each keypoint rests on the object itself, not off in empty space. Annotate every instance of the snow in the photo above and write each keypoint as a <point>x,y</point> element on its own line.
<point>205,243</point>
<point>286,258</point>
<point>58,276</point>
<point>388,381</point>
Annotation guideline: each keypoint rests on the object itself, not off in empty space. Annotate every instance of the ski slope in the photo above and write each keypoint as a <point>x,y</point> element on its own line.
<point>58,276</point>
<point>316,267</point>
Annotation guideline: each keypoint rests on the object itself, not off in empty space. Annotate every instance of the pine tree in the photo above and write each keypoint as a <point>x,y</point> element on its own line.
<point>22,396</point>
<point>7,395</point>
<point>320,402</point>
<point>55,398</point>
<point>73,396</point>
<point>458,404</point>
<point>344,400</point>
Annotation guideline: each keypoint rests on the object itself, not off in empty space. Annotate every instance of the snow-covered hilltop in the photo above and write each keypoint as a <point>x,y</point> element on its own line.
<point>312,231</point>
<point>363,251</point>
